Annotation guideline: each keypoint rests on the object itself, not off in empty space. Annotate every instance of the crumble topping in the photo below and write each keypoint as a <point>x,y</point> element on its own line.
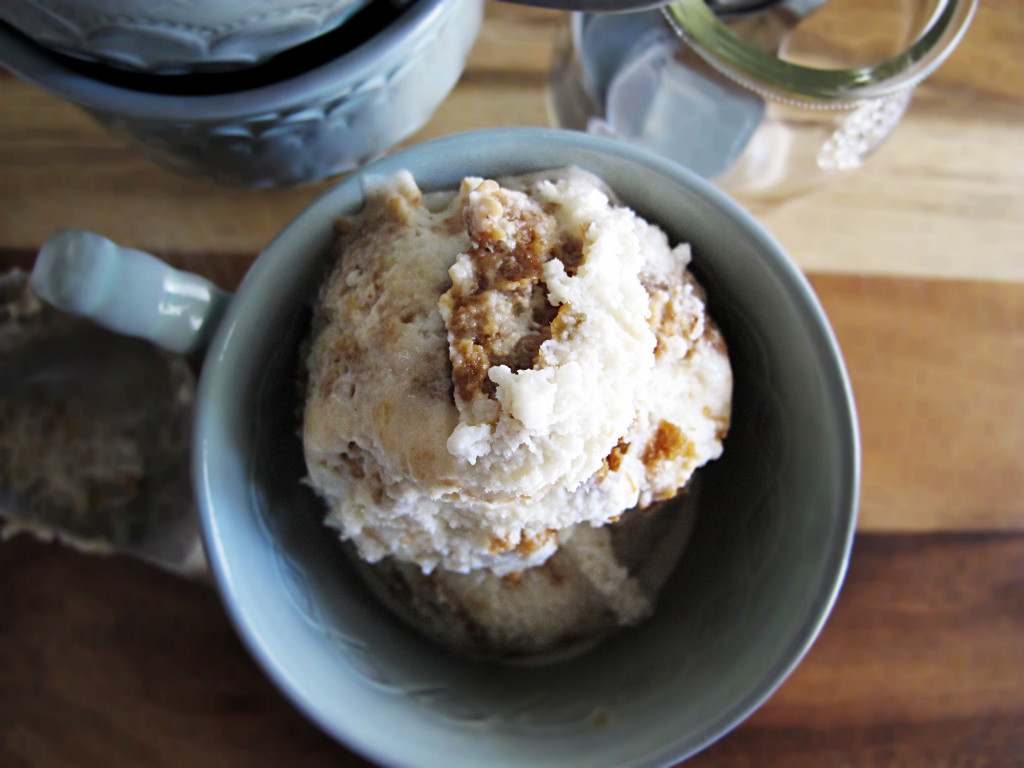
<point>492,367</point>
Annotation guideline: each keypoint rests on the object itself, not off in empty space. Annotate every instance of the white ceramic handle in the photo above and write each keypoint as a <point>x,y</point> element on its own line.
<point>127,291</point>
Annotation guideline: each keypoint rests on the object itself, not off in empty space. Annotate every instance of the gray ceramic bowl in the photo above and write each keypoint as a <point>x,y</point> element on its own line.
<point>257,129</point>
<point>759,578</point>
<point>767,554</point>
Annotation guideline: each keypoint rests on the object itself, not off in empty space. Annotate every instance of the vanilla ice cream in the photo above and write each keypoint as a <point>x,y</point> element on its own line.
<point>490,369</point>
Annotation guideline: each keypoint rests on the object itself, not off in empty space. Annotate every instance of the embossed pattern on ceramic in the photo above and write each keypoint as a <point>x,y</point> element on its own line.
<point>186,35</point>
<point>323,122</point>
<point>768,553</point>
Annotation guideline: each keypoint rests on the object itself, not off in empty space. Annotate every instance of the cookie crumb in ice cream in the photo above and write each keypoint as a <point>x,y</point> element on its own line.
<point>500,380</point>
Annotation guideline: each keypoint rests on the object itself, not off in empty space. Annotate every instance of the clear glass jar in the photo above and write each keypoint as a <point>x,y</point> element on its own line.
<point>766,99</point>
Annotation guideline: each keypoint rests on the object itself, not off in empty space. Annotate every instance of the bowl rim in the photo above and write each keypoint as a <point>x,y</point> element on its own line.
<point>794,282</point>
<point>47,70</point>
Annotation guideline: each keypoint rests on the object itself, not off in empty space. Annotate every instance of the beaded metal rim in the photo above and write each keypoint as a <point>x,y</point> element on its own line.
<point>698,26</point>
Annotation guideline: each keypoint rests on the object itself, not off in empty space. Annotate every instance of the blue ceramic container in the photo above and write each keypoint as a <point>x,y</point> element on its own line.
<point>255,128</point>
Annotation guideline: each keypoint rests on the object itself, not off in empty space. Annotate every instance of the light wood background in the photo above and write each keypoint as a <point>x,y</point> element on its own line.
<point>918,259</point>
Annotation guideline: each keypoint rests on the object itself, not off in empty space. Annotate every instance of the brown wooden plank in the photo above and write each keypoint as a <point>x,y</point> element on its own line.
<point>920,666</point>
<point>988,59</point>
<point>60,169</point>
<point>107,662</point>
<point>516,39</point>
<point>938,371</point>
<point>950,178</point>
<point>944,197</point>
<point>110,663</point>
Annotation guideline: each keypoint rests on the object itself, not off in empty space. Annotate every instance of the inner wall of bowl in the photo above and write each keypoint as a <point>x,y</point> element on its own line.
<point>757,578</point>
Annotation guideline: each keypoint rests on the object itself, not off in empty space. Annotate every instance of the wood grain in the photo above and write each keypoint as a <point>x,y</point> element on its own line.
<point>918,259</point>
<point>109,663</point>
<point>921,664</point>
<point>61,169</point>
<point>944,197</point>
<point>938,370</point>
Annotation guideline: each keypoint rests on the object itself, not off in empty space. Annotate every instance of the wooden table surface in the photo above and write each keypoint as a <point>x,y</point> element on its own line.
<point>918,259</point>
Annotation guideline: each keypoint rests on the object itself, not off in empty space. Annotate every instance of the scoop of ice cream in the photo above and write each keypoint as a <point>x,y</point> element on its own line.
<point>492,368</point>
